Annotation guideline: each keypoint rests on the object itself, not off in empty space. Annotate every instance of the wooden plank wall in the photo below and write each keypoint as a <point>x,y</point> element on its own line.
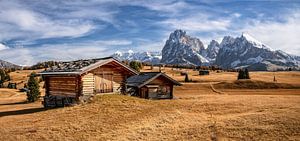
<point>63,86</point>
<point>88,84</point>
<point>118,76</point>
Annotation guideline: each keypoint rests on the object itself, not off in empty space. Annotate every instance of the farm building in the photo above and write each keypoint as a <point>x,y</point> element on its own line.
<point>203,72</point>
<point>153,85</point>
<point>74,80</point>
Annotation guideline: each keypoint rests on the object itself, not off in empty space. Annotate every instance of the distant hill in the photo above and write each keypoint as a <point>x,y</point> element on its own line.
<point>8,65</point>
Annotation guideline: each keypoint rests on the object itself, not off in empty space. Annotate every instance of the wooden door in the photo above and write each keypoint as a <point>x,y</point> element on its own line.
<point>104,83</point>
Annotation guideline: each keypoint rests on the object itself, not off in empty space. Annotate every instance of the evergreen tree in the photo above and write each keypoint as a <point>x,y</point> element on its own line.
<point>33,88</point>
<point>243,74</point>
<point>4,76</point>
<point>246,74</point>
<point>186,79</point>
<point>136,65</point>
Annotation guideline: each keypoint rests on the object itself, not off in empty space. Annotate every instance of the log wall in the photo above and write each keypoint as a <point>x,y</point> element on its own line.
<point>63,86</point>
<point>88,84</point>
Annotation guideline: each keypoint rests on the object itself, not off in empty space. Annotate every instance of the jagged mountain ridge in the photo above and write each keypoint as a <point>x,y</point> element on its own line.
<point>246,52</point>
<point>8,65</point>
<point>151,57</point>
<point>240,52</point>
<point>183,49</point>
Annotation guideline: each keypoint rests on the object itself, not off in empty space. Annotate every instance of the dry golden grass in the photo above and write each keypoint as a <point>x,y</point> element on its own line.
<point>21,77</point>
<point>197,112</point>
<point>290,77</point>
<point>116,117</point>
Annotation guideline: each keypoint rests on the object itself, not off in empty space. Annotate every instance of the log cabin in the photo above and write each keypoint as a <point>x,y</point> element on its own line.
<point>67,82</point>
<point>151,85</point>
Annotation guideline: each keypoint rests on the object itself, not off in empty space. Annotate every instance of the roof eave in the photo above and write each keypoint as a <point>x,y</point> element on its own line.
<point>55,73</point>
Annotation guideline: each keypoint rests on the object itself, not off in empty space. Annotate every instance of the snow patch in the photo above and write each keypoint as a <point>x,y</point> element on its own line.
<point>254,41</point>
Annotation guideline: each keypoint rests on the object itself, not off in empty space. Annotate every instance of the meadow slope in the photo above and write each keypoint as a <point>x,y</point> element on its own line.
<point>201,110</point>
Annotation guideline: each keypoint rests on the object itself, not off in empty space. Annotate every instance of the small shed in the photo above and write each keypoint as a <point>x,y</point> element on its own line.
<point>203,72</point>
<point>151,85</point>
<point>81,79</point>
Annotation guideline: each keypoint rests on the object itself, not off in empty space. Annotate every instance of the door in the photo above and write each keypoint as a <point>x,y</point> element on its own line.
<point>104,83</point>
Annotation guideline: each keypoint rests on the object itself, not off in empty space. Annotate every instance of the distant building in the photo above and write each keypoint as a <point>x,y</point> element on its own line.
<point>151,85</point>
<point>203,72</point>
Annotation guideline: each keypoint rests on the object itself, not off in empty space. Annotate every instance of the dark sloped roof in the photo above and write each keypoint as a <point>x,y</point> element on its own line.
<point>80,66</point>
<point>146,77</point>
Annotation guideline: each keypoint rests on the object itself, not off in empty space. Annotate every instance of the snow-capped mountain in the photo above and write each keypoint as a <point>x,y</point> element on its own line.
<point>8,65</point>
<point>152,57</point>
<point>212,50</point>
<point>239,52</point>
<point>183,49</point>
<point>246,51</point>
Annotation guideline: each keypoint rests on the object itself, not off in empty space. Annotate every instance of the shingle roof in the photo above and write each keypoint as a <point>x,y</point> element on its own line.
<point>146,77</point>
<point>80,66</point>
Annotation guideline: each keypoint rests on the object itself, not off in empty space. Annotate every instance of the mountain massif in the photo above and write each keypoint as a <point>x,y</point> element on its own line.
<point>240,52</point>
<point>150,57</point>
<point>8,65</point>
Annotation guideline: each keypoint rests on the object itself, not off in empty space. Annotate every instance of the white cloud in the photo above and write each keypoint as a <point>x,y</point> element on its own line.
<point>198,23</point>
<point>114,42</point>
<point>163,6</point>
<point>17,21</point>
<point>278,35</point>
<point>65,52</point>
<point>2,46</point>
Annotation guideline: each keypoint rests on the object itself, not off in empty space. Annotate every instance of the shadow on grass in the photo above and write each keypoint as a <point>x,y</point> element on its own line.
<point>22,112</point>
<point>15,103</point>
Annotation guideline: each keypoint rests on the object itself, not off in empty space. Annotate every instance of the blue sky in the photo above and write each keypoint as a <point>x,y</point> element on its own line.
<point>32,30</point>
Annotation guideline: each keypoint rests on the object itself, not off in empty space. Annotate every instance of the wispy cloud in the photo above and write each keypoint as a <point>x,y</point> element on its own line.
<point>2,46</point>
<point>52,29</point>
<point>198,24</point>
<point>17,22</point>
<point>66,51</point>
<point>278,35</point>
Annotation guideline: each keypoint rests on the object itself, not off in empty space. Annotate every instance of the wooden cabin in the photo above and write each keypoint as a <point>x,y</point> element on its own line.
<point>151,85</point>
<point>203,72</point>
<point>78,80</point>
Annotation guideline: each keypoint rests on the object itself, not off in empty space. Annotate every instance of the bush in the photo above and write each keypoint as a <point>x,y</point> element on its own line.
<point>243,74</point>
<point>33,89</point>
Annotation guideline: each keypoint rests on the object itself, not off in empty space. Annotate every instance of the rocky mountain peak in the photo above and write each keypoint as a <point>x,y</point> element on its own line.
<point>212,50</point>
<point>183,49</point>
<point>252,40</point>
<point>227,40</point>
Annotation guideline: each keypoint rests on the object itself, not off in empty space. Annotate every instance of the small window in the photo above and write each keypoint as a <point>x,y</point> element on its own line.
<point>164,90</point>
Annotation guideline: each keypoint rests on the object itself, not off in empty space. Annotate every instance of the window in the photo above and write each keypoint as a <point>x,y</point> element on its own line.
<point>164,90</point>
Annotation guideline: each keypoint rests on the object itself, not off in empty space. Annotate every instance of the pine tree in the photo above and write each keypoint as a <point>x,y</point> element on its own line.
<point>241,74</point>
<point>246,74</point>
<point>4,76</point>
<point>186,79</point>
<point>136,65</point>
<point>33,88</point>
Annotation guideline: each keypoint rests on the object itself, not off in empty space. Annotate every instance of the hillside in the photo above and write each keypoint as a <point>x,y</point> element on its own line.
<point>8,65</point>
<point>116,117</point>
<point>201,110</point>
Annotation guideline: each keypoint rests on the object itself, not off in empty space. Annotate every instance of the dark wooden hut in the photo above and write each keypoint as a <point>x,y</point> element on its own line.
<point>203,72</point>
<point>152,85</point>
<point>81,79</point>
